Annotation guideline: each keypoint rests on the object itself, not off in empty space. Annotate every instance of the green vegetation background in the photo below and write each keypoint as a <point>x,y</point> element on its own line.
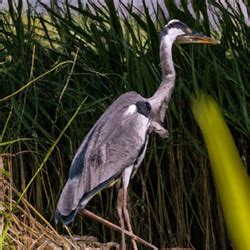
<point>74,59</point>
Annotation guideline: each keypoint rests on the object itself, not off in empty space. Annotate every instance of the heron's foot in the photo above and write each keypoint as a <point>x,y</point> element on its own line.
<point>159,129</point>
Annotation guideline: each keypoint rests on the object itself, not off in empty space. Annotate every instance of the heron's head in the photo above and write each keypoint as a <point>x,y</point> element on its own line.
<point>179,32</point>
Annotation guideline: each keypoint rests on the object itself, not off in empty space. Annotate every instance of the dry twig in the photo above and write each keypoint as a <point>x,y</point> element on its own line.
<point>109,224</point>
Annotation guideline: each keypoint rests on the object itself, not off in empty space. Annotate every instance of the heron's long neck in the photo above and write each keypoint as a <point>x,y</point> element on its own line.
<point>164,92</point>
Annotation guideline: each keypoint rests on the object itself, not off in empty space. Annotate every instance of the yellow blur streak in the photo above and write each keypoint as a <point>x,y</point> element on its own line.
<point>229,174</point>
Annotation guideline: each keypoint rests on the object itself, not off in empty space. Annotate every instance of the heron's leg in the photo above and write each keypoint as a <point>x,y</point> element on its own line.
<point>120,201</point>
<point>127,217</point>
<point>158,129</point>
<point>125,181</point>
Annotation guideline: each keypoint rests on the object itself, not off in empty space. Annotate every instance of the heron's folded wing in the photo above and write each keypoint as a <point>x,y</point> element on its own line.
<point>111,145</point>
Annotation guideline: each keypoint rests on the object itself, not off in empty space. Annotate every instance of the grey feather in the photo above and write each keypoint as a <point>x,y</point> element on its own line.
<point>114,143</point>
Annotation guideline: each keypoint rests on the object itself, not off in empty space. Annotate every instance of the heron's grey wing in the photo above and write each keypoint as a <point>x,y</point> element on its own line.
<point>112,144</point>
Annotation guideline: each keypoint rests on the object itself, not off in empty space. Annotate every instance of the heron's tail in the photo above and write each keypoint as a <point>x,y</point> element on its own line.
<point>67,219</point>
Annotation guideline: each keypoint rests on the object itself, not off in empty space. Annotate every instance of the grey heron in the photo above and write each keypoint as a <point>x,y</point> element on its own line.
<point>115,146</point>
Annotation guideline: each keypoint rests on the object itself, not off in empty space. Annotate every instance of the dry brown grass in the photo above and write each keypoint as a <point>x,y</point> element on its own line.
<point>23,227</point>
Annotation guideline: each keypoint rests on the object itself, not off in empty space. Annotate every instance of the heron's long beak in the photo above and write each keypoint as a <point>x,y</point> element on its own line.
<point>197,38</point>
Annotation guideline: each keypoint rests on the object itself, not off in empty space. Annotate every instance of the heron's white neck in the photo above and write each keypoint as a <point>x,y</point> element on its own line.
<point>164,92</point>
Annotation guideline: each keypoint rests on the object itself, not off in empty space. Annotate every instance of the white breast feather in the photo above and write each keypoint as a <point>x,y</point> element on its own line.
<point>142,122</point>
<point>142,125</point>
<point>131,110</point>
